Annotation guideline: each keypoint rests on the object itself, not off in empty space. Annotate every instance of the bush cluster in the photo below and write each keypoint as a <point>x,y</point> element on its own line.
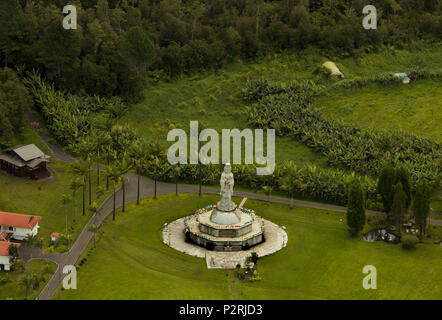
<point>366,151</point>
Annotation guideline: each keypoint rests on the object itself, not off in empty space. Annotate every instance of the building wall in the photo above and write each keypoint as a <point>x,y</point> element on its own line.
<point>11,169</point>
<point>4,262</point>
<point>22,233</point>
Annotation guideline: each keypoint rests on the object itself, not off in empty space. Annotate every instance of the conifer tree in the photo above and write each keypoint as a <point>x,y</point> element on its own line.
<point>355,208</point>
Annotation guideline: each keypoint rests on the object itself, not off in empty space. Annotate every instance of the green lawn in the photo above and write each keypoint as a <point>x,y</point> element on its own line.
<point>414,107</point>
<point>320,261</point>
<point>10,287</point>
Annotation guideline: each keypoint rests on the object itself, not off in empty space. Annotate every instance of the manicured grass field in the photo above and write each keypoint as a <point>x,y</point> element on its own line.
<point>10,287</point>
<point>320,261</point>
<point>414,107</point>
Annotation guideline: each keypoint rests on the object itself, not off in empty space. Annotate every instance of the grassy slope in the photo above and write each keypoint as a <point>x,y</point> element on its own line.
<point>215,98</point>
<point>13,290</point>
<point>415,107</point>
<point>321,261</point>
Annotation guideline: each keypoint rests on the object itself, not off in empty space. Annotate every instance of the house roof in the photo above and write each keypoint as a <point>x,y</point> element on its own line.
<point>15,161</point>
<point>4,248</point>
<point>28,152</point>
<point>33,163</point>
<point>5,236</point>
<point>24,155</point>
<point>18,220</point>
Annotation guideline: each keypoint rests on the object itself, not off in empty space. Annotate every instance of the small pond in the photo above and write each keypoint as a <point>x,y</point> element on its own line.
<point>381,235</point>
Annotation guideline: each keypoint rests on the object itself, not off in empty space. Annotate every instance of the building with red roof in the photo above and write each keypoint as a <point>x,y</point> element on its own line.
<point>5,263</point>
<point>20,225</point>
<point>54,236</point>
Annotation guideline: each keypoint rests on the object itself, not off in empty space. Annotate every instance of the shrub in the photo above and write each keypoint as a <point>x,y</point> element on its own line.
<point>254,257</point>
<point>48,250</point>
<point>61,248</point>
<point>255,276</point>
<point>4,280</point>
<point>409,242</point>
<point>240,273</point>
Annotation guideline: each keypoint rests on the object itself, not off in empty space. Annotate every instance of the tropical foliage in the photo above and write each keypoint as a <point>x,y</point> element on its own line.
<point>289,110</point>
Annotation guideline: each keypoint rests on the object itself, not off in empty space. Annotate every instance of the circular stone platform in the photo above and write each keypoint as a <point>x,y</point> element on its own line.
<point>275,239</point>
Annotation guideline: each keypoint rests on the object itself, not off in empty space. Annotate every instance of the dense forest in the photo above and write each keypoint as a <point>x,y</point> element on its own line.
<point>120,43</point>
<point>79,79</point>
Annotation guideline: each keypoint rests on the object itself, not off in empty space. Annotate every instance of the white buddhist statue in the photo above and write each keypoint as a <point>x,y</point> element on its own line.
<point>227,182</point>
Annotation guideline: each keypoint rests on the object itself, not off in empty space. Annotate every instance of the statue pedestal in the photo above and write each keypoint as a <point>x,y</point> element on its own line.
<point>226,231</point>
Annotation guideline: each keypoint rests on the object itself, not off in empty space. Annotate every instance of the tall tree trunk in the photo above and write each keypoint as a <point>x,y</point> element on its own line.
<point>113,212</point>
<point>84,198</point>
<point>66,214</point>
<point>200,178</point>
<point>75,206</point>
<point>90,188</point>
<point>257,22</point>
<point>200,186</point>
<point>124,196</point>
<point>138,190</point>
<point>107,177</point>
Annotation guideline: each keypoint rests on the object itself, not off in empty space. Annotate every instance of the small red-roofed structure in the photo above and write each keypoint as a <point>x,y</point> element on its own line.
<point>54,236</point>
<point>4,255</point>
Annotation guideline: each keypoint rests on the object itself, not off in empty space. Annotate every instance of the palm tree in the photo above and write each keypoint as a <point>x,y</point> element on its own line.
<point>64,201</point>
<point>94,229</point>
<point>101,140</point>
<point>176,173</point>
<point>113,175</point>
<point>123,167</point>
<point>81,169</point>
<point>86,150</point>
<point>94,209</point>
<point>32,238</point>
<point>155,169</point>
<point>267,190</point>
<point>75,185</point>
<point>26,281</point>
<point>289,182</point>
<point>138,154</point>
